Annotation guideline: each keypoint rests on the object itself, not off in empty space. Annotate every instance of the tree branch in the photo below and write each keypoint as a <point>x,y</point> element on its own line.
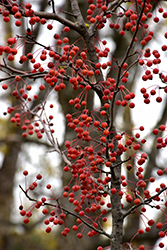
<point>145,202</point>
<point>67,212</point>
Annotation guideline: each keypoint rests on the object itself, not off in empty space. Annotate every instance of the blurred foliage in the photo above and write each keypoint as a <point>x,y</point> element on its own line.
<point>35,240</point>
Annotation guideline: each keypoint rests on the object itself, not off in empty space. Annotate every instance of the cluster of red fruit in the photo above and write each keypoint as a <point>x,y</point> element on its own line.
<point>29,126</point>
<point>161,141</point>
<point>17,13</point>
<point>94,152</point>
<point>149,74</point>
<point>94,195</point>
<point>99,13</point>
<point>57,216</point>
<point>81,69</point>
<point>28,213</point>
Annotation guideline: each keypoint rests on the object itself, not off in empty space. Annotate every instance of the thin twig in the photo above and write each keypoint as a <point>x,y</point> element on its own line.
<point>145,202</point>
<point>68,212</point>
<point>121,64</point>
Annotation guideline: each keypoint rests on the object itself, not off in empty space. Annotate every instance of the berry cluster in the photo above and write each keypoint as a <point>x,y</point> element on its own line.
<point>150,72</point>
<point>93,156</point>
<point>94,196</point>
<point>161,141</point>
<point>29,124</point>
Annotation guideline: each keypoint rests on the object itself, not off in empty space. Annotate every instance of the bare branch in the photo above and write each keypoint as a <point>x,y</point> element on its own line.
<point>145,202</point>
<point>67,212</point>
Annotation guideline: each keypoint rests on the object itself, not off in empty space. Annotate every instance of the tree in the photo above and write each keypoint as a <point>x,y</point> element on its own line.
<point>99,150</point>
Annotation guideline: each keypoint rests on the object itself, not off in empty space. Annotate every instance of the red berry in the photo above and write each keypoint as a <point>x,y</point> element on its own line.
<point>5,86</point>
<point>137,202</point>
<point>26,220</point>
<point>49,26</point>
<point>156,19</point>
<point>99,248</point>
<point>159,225</point>
<point>159,172</point>
<point>39,176</point>
<point>5,13</point>
<point>75,228</point>
<point>159,99</point>
<point>48,229</point>
<point>48,186</point>
<point>147,229</point>
<point>22,212</point>
<point>41,87</point>
<point>113,190</point>
<point>79,235</point>
<point>45,211</point>
<point>161,244</point>
<point>160,10</point>
<point>24,135</point>
<point>140,231</point>
<point>155,71</point>
<point>141,247</point>
<point>18,23</point>
<point>161,234</point>
<point>150,222</point>
<point>81,213</point>
<point>162,127</point>
<point>66,29</point>
<point>56,36</point>
<point>131,105</point>
<point>64,233</point>
<point>43,21</point>
<point>103,113</point>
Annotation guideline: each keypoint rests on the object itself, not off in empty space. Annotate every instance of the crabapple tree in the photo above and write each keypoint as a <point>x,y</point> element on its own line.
<point>100,156</point>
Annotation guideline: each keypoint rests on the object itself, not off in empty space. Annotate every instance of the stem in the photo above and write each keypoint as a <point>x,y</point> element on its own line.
<point>145,202</point>
<point>89,42</point>
<point>67,211</point>
<point>121,64</point>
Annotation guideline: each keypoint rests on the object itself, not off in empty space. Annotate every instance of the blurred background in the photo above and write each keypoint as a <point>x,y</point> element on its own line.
<point>18,154</point>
